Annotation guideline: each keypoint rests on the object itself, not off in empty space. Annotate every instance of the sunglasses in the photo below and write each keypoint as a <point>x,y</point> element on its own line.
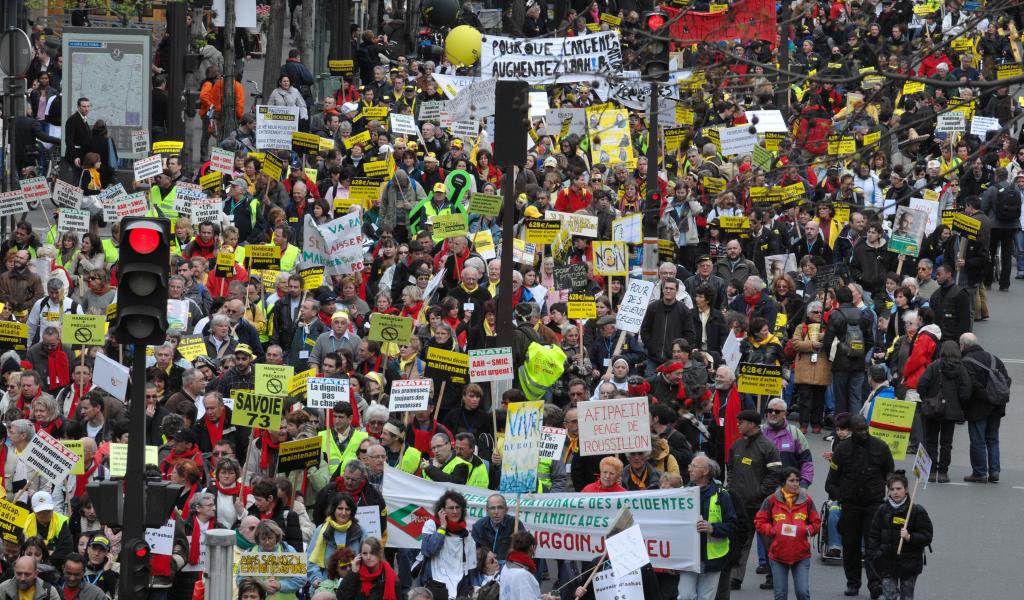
<point>776,411</point>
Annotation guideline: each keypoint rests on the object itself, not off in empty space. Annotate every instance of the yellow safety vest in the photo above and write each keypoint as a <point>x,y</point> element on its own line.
<point>53,529</point>
<point>163,204</point>
<point>336,458</point>
<point>478,476</point>
<point>450,466</point>
<point>543,367</point>
<point>410,461</point>
<point>289,257</point>
<point>110,251</point>
<point>716,547</point>
<point>544,476</point>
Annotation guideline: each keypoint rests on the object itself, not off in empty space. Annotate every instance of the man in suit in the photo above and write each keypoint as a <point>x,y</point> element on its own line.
<point>77,134</point>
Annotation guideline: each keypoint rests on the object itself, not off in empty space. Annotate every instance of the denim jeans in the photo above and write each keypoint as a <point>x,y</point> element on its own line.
<point>1018,239</point>
<point>848,388</point>
<point>835,539</point>
<point>984,436</point>
<point>762,553</point>
<point>801,579</point>
<point>898,589</point>
<point>698,586</point>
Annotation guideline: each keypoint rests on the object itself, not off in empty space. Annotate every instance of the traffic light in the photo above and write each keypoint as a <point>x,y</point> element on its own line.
<point>107,498</point>
<point>654,47</point>
<point>160,499</point>
<point>142,270</point>
<point>135,567</point>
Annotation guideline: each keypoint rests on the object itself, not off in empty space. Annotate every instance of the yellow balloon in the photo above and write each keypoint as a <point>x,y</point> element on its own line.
<point>462,45</point>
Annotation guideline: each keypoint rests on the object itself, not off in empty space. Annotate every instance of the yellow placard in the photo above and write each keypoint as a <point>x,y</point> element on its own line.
<point>12,517</point>
<point>272,380</point>
<point>1009,70</point>
<point>841,144</point>
<point>363,137</point>
<point>611,20</point>
<point>299,454</point>
<point>930,195</point>
<point>305,143</point>
<point>312,277</point>
<point>119,458</point>
<point>378,113</point>
<point>610,258</point>
<point>771,141</point>
<point>891,421</point>
<point>263,256</point>
<point>542,232</point>
<point>377,169</point>
<point>211,181</point>
<point>76,447</point>
<point>168,147</point>
<point>364,190</point>
<point>225,264</point>
<point>341,67</point>
<point>912,87</point>
<point>714,185</point>
<point>684,116</point>
<point>449,225</point>
<point>83,330</point>
<point>870,139</point>
<point>390,328</point>
<point>581,306</point>
<point>737,224</point>
<point>764,380</point>
<point>13,334</point>
<point>257,410</point>
<point>297,384</point>
<point>718,8</point>
<point>192,347</point>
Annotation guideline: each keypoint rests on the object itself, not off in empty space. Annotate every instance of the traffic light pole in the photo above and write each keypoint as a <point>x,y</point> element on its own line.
<point>652,208</point>
<point>133,517</point>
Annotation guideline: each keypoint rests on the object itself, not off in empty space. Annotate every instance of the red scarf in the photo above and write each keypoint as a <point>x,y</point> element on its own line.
<point>77,393</point>
<point>266,445</point>
<point>412,310</point>
<point>455,526</point>
<point>234,490</point>
<point>81,480</point>
<point>421,438</point>
<point>192,492</point>
<point>52,428</point>
<point>728,420</point>
<point>367,578</point>
<point>194,543</point>
<point>58,369</point>
<point>751,303</point>
<point>216,430</point>
<point>357,494</point>
<point>26,407</point>
<point>522,558</point>
<point>168,465</point>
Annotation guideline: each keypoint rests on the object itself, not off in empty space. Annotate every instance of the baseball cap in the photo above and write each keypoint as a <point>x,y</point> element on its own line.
<point>327,297</point>
<point>551,161</point>
<point>244,349</point>
<point>704,258</point>
<point>42,501</point>
<point>240,183</point>
<point>439,187</point>
<point>101,541</point>
<point>186,435</point>
<point>349,107</point>
<point>532,212</point>
<point>456,143</point>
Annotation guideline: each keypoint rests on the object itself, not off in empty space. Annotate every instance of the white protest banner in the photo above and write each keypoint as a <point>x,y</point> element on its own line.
<point>409,395</point>
<point>431,110</point>
<point>628,229</point>
<point>222,161</point>
<point>275,126</point>
<point>561,122</point>
<point>201,563</point>
<point>490,364</point>
<point>107,197</point>
<point>768,121</point>
<point>633,92</point>
<point>337,246</point>
<point>451,85</point>
<point>403,124</point>
<point>951,122</point>
<point>73,220</point>
<point>931,209</point>
<point>538,104</point>
<point>369,521</point>
<point>325,392</point>
<point>473,102</point>
<point>627,551</point>
<point>634,305</point>
<point>186,194</point>
<point>151,166</point>
<point>520,456</point>
<point>552,440</point>
<point>49,458</point>
<point>140,146</point>
<point>12,203</point>
<point>612,426</point>
<point>433,283</point>
<point>737,140</point>
<point>271,564</point>
<point>161,539</point>
<point>467,130</point>
<point>979,125</point>
<point>582,225</point>
<point>207,210</point>
<point>35,189</point>
<point>66,195</point>
<point>609,586</point>
<point>132,205</point>
<point>111,376</point>
<point>731,352</point>
<point>566,526</point>
<point>551,60</point>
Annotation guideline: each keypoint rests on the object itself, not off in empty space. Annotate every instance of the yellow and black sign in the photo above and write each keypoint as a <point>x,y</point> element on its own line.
<point>299,454</point>
<point>375,113</point>
<point>312,277</point>
<point>225,264</point>
<point>390,328</point>
<point>966,226</point>
<point>272,166</point>
<point>447,365</point>
<point>764,380</point>
<point>341,67</point>
<point>14,335</point>
<point>841,144</point>
<point>263,256</point>
<point>542,232</point>
<point>211,181</point>
<point>581,306</point>
<point>257,410</point>
<point>83,330</point>
<point>192,347</point>
<point>305,143</point>
<point>168,147</point>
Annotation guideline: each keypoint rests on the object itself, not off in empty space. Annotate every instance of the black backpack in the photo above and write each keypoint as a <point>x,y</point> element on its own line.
<point>853,344</point>
<point>997,388</point>
<point>1007,205</point>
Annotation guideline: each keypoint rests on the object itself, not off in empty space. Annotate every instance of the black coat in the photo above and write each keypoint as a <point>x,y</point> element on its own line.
<point>662,324</point>
<point>952,306</point>
<point>27,131</point>
<point>977,407</point>
<point>712,335</point>
<point>77,137</point>
<point>858,470</point>
<point>288,521</point>
<point>950,380</point>
<point>883,539</point>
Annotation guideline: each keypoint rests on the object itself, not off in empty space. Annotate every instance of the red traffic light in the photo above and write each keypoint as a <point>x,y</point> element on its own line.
<point>141,552</point>
<point>143,240</point>
<point>655,21</point>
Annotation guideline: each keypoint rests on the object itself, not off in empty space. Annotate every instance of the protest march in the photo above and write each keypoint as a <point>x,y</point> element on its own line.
<point>519,299</point>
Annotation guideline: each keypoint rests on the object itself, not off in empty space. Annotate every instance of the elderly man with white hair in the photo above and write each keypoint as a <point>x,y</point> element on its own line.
<point>724,405</point>
<point>470,295</point>
<point>755,301</point>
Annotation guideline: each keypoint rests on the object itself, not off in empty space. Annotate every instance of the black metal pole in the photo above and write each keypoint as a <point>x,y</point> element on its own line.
<point>651,212</point>
<point>132,518</point>
<point>782,91</point>
<point>503,321</point>
<point>178,33</point>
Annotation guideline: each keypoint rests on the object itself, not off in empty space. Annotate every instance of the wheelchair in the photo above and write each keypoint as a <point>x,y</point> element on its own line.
<point>823,540</point>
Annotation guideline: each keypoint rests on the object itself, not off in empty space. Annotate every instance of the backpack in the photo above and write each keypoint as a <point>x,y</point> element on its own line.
<point>1007,205</point>
<point>811,130</point>
<point>997,388</point>
<point>853,342</point>
<point>489,591</point>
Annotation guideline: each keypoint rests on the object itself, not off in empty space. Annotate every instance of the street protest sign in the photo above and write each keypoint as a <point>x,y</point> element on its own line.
<point>542,232</point>
<point>520,455</point>
<point>445,364</point>
<point>390,328</point>
<point>275,125</point>
<point>148,167</point>
<point>488,205</point>
<point>891,420</point>
<point>323,393</point>
<point>85,330</point>
<point>667,518</point>
<point>119,458</point>
<point>409,395</point>
<point>581,305</point>
<point>612,426</point>
<point>222,161</point>
<point>765,380</point>
<point>140,141</point>
<point>627,551</point>
<point>550,60</point>
<point>966,226</point>
<point>609,586</point>
<point>272,380</point>
<point>192,347</point>
<point>610,258</point>
<point>111,376</point>
<point>908,231</point>
<point>552,440</point>
<point>634,305</point>
<point>571,277</point>
<point>271,564</point>
<point>12,517</point>
<point>299,454</point>
<point>12,203</point>
<point>263,256</point>
<point>297,384</point>
<point>36,189</point>
<point>255,410</point>
<point>576,224</point>
<point>48,457</point>
<point>490,364</point>
<point>73,220</point>
<point>922,465</point>
<point>66,195</point>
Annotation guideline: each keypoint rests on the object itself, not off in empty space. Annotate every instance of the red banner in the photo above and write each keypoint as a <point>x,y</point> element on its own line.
<point>746,20</point>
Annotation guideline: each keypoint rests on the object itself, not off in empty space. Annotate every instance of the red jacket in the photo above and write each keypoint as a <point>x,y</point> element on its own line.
<point>570,201</point>
<point>789,529</point>
<point>921,354</point>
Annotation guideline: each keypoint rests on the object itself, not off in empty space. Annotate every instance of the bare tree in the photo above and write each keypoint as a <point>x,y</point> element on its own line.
<point>305,41</point>
<point>275,48</point>
<point>227,114</point>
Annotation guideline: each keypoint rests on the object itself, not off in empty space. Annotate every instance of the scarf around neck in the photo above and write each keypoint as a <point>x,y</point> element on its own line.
<point>522,558</point>
<point>368,577</point>
<point>58,369</point>
<point>318,554</point>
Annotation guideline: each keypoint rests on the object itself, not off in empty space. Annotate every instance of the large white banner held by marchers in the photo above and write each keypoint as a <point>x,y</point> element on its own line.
<point>551,60</point>
<point>568,526</point>
<point>337,246</point>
